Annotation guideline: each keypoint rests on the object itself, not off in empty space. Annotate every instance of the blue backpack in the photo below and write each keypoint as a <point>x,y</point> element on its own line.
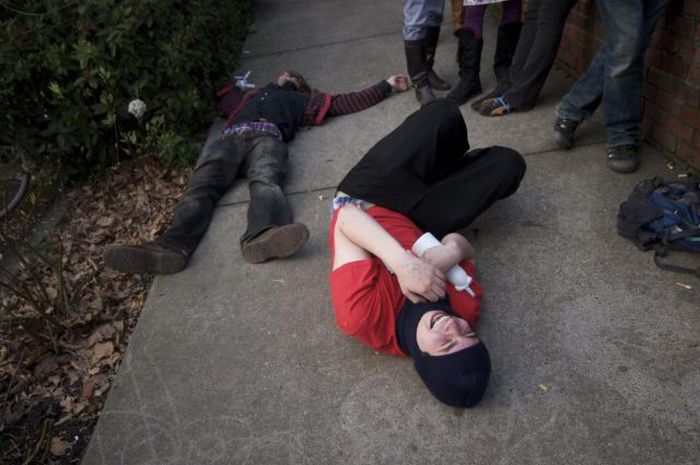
<point>663,216</point>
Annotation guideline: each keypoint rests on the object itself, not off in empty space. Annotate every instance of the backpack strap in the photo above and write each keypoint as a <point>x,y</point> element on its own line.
<point>663,252</point>
<point>672,237</point>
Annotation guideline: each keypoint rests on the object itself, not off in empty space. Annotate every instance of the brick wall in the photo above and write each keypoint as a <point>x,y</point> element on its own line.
<point>672,74</point>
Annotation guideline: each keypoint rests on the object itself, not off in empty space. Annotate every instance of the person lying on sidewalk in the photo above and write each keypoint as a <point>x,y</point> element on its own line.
<point>419,178</point>
<point>253,145</point>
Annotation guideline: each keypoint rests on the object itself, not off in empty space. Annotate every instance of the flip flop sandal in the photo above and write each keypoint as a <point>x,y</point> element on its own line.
<point>495,107</point>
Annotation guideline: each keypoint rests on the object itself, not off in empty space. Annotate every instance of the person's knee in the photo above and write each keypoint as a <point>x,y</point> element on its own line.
<point>510,160</point>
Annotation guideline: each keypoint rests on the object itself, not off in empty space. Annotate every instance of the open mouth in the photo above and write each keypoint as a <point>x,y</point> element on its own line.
<point>437,317</point>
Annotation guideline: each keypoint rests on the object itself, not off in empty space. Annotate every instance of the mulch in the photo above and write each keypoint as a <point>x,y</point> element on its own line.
<point>65,319</point>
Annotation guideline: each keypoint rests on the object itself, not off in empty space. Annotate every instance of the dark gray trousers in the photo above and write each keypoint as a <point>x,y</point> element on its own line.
<point>260,158</point>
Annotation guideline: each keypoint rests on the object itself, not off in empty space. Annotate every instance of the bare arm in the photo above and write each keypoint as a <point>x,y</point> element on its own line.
<point>357,235</point>
<point>453,250</point>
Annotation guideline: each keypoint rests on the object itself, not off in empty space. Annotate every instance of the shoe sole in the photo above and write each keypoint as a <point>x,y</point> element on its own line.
<point>136,260</point>
<point>623,169</point>
<point>279,242</point>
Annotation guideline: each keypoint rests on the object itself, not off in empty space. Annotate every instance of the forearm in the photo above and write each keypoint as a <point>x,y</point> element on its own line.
<point>454,249</point>
<point>352,102</point>
<point>364,231</point>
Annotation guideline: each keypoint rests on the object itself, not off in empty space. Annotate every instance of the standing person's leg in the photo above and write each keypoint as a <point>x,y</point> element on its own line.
<point>432,37</point>
<point>214,173</point>
<point>457,15</point>
<point>270,232</point>
<point>525,86</point>
<point>528,32</point>
<point>585,96</point>
<point>484,177</point>
<point>469,54</point>
<point>581,101</point>
<point>419,15</point>
<point>629,25</point>
<point>507,40</point>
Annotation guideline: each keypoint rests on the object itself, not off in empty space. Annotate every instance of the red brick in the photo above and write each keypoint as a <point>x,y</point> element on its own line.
<point>673,65</point>
<point>693,76</point>
<point>653,57</point>
<point>689,154</point>
<point>687,50</point>
<point>691,7</point>
<point>665,138</point>
<point>669,43</point>
<point>654,111</point>
<point>669,104</point>
<point>682,26</point>
<point>661,79</point>
<point>691,116</point>
<point>682,131</point>
<point>649,92</point>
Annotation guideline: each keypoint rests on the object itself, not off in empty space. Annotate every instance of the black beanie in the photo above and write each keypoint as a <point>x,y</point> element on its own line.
<point>458,379</point>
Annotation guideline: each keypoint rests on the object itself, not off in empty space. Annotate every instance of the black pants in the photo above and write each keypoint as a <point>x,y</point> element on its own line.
<point>423,170</point>
<point>262,159</point>
<point>543,26</point>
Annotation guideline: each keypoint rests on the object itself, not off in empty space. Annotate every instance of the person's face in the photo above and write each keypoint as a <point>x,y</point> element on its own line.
<point>285,77</point>
<point>439,333</point>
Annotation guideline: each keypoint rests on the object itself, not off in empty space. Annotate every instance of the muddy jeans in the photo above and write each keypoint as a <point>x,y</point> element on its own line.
<point>259,157</point>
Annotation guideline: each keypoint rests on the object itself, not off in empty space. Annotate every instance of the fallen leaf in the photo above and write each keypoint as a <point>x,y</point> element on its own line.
<point>88,388</point>
<point>105,221</point>
<point>59,446</point>
<point>102,350</point>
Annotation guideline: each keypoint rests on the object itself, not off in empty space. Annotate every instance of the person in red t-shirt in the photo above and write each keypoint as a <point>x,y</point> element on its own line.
<point>418,178</point>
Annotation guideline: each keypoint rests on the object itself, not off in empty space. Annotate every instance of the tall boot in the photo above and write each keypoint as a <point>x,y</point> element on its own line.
<point>432,36</point>
<point>469,59</point>
<point>506,44</point>
<point>415,62</point>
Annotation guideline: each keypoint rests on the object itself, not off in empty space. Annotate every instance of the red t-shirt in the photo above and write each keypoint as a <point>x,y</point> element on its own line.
<point>367,298</point>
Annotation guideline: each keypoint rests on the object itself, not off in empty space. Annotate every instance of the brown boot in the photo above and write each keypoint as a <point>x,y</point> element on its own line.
<point>415,62</point>
<point>149,257</point>
<point>276,242</point>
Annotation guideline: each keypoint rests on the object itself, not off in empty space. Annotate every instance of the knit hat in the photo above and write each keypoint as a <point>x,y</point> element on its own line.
<point>458,379</point>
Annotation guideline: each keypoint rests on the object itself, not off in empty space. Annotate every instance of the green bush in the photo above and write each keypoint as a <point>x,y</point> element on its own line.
<point>71,67</point>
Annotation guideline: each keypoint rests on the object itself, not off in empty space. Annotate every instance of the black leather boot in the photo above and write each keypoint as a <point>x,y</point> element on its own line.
<point>469,59</point>
<point>415,62</point>
<point>431,40</point>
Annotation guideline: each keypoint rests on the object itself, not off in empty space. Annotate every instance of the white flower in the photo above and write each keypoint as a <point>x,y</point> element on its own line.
<point>137,108</point>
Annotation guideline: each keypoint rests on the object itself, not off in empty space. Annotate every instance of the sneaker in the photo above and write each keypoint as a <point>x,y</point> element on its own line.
<point>145,258</point>
<point>564,130</point>
<point>276,242</point>
<point>623,158</point>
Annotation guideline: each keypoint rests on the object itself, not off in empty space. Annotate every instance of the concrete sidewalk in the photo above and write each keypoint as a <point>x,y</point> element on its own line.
<point>233,363</point>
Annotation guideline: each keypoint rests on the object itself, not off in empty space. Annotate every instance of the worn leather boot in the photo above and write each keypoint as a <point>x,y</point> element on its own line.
<point>431,40</point>
<point>469,59</point>
<point>415,62</point>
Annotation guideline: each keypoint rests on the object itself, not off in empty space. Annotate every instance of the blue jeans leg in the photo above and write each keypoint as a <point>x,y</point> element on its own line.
<point>419,14</point>
<point>615,76</point>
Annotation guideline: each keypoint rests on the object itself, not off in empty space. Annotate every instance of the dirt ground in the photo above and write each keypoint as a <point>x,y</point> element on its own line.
<point>65,320</point>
